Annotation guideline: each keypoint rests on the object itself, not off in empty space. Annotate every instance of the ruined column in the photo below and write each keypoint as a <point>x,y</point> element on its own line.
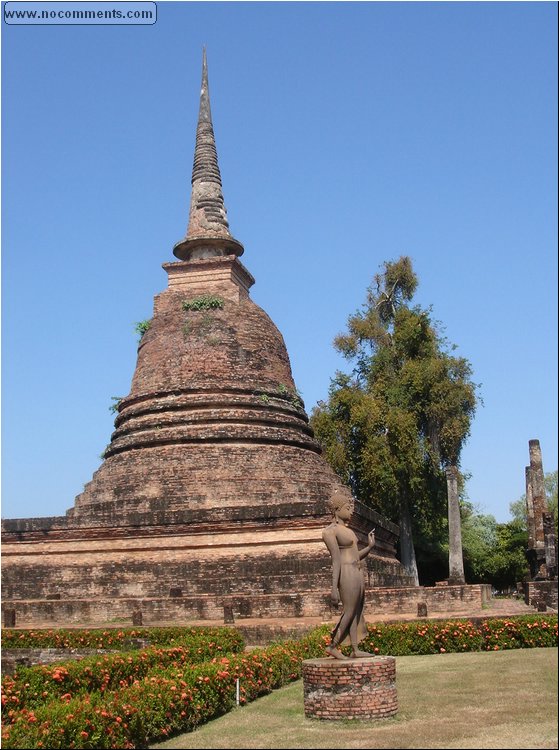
<point>530,521</point>
<point>455,559</point>
<point>538,493</point>
<point>541,553</point>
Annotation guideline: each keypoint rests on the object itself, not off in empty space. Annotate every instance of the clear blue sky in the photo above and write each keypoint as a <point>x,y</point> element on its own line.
<point>348,134</point>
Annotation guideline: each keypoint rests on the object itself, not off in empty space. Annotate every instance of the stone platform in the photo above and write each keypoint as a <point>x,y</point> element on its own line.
<point>338,689</point>
<point>311,605</point>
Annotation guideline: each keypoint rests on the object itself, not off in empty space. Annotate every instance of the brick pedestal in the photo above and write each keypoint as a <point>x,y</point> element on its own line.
<point>350,689</point>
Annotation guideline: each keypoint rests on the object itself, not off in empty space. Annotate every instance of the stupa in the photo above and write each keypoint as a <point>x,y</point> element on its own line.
<point>212,493</point>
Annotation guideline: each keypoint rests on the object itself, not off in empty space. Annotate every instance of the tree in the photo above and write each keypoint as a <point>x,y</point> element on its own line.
<point>517,509</point>
<point>494,552</point>
<point>550,481</point>
<point>479,537</point>
<point>392,427</point>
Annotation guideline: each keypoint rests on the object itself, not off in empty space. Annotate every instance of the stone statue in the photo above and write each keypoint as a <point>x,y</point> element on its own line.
<point>348,585</point>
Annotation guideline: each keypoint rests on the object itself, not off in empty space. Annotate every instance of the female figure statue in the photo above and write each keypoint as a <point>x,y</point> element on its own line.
<point>348,585</point>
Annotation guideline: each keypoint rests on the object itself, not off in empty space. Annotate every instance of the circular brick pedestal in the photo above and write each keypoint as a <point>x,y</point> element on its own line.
<point>350,688</point>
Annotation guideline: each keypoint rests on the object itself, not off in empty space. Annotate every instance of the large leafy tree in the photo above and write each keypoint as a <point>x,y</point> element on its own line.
<point>494,552</point>
<point>392,426</point>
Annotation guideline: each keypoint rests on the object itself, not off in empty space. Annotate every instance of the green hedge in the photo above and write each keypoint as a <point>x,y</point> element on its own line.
<point>32,686</point>
<point>229,638</point>
<point>435,637</point>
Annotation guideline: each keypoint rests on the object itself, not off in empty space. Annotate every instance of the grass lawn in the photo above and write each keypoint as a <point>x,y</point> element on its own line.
<point>503,699</point>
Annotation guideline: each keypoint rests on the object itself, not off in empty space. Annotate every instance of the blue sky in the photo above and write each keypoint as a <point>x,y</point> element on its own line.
<point>348,134</point>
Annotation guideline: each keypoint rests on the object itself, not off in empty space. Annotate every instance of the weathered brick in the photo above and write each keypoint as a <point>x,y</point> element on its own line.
<point>352,689</point>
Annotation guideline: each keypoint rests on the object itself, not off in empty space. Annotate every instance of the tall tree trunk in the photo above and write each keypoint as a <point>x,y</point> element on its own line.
<point>407,551</point>
<point>455,558</point>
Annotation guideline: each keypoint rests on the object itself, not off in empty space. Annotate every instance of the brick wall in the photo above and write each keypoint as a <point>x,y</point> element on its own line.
<point>537,593</point>
<point>187,607</point>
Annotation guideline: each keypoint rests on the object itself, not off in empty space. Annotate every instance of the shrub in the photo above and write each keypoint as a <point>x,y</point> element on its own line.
<point>228,638</point>
<point>33,686</point>
<point>427,637</point>
<point>434,637</point>
<point>525,632</point>
<point>163,702</point>
<point>142,327</point>
<point>203,302</point>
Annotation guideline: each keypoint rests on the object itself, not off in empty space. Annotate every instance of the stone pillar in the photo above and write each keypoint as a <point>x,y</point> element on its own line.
<point>538,492</point>
<point>539,549</point>
<point>338,689</point>
<point>455,559</point>
<point>530,521</point>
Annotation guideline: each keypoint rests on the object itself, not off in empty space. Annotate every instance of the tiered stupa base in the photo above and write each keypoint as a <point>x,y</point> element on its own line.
<point>194,532</point>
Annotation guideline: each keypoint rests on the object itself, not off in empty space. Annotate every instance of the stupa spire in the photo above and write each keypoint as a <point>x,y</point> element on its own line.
<point>208,229</point>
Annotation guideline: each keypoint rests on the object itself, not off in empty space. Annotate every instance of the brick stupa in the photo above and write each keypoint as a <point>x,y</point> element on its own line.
<point>212,493</point>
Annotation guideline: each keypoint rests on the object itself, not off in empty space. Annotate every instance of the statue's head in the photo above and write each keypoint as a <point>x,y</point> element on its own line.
<point>337,500</point>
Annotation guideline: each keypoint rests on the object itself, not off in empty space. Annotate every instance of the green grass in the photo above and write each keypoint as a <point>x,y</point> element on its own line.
<point>504,699</point>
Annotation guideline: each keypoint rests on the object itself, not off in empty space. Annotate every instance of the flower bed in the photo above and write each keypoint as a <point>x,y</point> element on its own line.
<point>435,637</point>
<point>229,638</point>
<point>32,686</point>
<point>522,632</point>
<point>107,703</point>
<point>165,701</point>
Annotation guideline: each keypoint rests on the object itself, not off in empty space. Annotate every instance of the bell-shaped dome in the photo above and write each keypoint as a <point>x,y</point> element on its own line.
<point>212,366</point>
